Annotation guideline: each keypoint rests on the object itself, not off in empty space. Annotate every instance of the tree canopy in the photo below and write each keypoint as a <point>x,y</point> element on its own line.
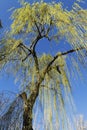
<point>44,75</point>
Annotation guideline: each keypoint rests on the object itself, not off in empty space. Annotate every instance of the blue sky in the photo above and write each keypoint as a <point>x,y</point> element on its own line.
<point>79,86</point>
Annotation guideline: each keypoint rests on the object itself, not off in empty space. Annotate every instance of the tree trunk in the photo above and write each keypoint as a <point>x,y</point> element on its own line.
<point>27,115</point>
<point>27,119</point>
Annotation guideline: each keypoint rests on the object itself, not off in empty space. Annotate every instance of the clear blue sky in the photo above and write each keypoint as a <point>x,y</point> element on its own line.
<point>79,87</point>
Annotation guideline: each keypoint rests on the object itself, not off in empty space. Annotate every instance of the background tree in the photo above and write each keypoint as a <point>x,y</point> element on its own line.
<point>43,76</point>
<point>10,111</point>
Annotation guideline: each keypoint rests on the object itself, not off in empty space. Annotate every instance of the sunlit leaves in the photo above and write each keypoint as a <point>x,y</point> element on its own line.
<point>70,24</point>
<point>44,20</point>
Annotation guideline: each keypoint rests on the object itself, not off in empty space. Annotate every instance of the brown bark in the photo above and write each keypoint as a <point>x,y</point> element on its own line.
<point>27,115</point>
<point>27,119</point>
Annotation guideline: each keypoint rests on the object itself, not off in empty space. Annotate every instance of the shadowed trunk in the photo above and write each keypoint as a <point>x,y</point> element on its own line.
<point>28,108</point>
<point>27,119</point>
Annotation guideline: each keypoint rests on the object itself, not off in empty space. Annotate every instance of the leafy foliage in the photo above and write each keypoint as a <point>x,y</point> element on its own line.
<point>31,23</point>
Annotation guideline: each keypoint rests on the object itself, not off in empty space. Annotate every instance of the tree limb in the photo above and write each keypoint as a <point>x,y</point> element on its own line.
<point>61,54</point>
<point>34,53</point>
<point>38,29</point>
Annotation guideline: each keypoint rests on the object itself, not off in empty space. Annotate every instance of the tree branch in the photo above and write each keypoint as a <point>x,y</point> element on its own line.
<point>73,50</point>
<point>26,57</point>
<point>25,47</point>
<point>61,54</point>
<point>38,29</point>
<point>35,55</point>
<point>21,44</point>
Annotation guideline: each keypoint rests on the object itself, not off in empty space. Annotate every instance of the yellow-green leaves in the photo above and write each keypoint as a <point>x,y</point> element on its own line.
<point>16,44</point>
<point>44,60</point>
<point>56,72</point>
<point>21,17</point>
<point>71,24</point>
<point>42,13</point>
<point>60,62</point>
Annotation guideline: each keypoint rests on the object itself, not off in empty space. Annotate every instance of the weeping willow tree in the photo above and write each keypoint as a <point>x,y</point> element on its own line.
<point>43,76</point>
